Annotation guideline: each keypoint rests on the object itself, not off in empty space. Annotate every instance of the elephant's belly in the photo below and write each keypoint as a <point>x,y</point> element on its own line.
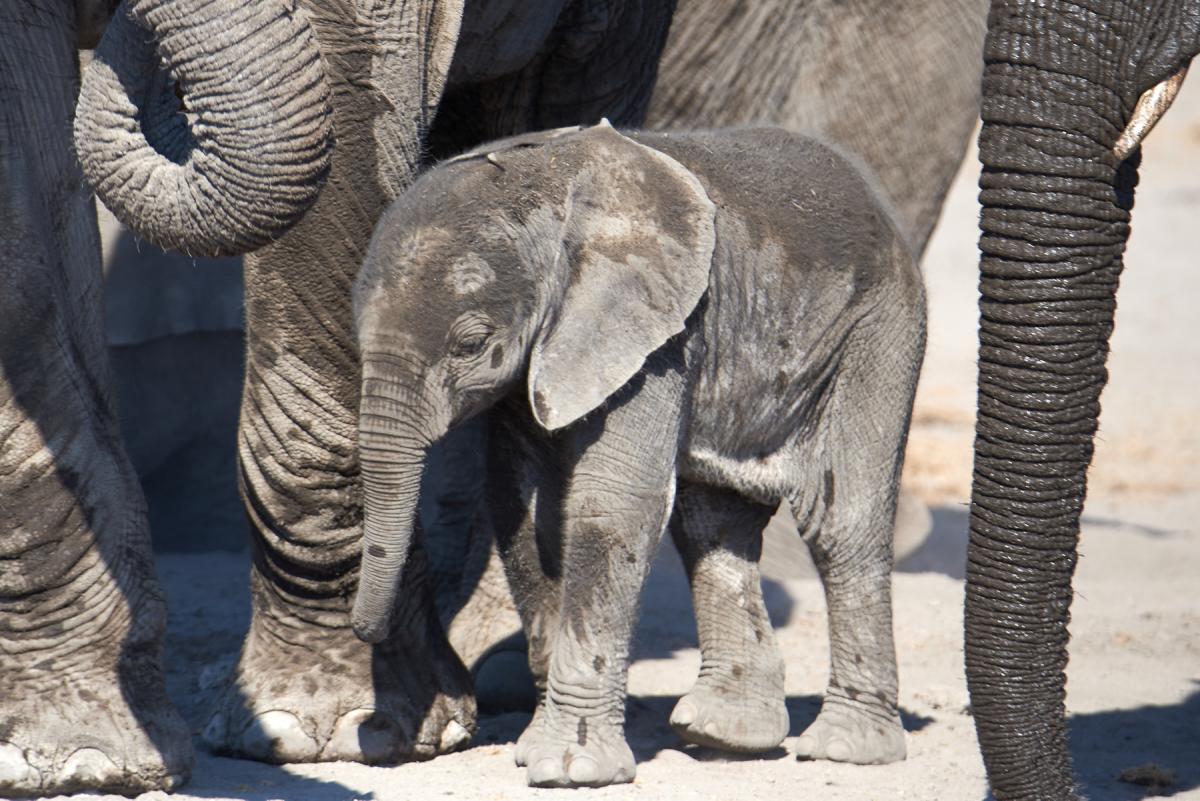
<point>767,479</point>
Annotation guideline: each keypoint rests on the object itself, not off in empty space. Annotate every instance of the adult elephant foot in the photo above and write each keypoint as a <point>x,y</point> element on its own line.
<point>83,705</point>
<point>740,710</point>
<point>316,693</point>
<point>94,732</point>
<point>486,633</point>
<point>90,712</point>
<point>852,731</point>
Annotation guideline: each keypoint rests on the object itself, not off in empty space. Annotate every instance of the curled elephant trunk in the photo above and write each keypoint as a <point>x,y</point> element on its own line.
<point>223,144</point>
<point>393,441</point>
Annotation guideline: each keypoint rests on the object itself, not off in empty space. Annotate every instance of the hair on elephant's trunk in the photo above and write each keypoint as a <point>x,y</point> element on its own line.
<point>223,144</point>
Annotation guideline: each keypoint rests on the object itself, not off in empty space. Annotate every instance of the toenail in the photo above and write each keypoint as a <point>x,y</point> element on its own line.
<point>545,771</point>
<point>684,714</point>
<point>89,767</point>
<point>583,770</point>
<point>711,728</point>
<point>454,735</point>
<point>15,772</point>
<point>364,735</point>
<point>839,751</point>
<point>276,735</point>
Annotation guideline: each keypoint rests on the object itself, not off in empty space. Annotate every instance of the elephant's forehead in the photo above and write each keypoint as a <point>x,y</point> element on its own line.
<point>468,274</point>
<point>407,249</point>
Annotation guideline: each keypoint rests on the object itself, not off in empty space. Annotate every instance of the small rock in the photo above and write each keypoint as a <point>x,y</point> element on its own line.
<point>1148,775</point>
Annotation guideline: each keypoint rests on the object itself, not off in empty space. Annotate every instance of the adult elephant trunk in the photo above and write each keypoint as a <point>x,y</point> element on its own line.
<point>223,144</point>
<point>396,429</point>
<point>1055,220</point>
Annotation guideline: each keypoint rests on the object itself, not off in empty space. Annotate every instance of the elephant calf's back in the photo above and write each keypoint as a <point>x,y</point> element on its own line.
<point>808,267</point>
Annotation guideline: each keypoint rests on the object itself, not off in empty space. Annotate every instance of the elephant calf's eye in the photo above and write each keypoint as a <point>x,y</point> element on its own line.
<point>470,345</point>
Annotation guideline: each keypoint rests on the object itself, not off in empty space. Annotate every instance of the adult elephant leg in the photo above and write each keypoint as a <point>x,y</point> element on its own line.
<point>305,688</point>
<point>83,703</point>
<point>599,61</point>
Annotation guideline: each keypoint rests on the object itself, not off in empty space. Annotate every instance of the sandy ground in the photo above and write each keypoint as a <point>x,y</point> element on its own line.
<point>1134,691</point>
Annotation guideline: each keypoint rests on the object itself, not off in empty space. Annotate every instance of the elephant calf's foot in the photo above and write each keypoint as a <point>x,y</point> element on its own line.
<point>322,695</point>
<point>574,752</point>
<point>740,708</point>
<point>67,735</point>
<point>847,731</point>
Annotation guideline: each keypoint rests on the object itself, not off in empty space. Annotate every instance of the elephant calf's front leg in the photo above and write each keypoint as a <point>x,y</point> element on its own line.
<point>616,510</point>
<point>579,737</point>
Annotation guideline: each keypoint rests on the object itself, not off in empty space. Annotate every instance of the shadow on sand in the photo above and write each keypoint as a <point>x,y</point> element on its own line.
<point>1106,744</point>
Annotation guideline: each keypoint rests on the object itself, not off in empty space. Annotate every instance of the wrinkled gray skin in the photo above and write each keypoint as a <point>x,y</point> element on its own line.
<point>681,329</point>
<point>82,700</point>
<point>1062,85</point>
<point>894,83</point>
<point>301,125</point>
<point>299,409</point>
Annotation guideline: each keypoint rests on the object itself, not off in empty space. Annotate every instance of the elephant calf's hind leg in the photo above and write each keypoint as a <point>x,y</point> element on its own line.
<point>737,703</point>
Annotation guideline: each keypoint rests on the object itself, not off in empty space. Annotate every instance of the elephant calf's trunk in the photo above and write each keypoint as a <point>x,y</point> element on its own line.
<point>391,473</point>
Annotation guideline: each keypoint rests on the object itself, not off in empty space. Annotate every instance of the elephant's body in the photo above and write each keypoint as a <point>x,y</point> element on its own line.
<point>356,106</point>
<point>894,83</point>
<point>802,261</point>
<point>684,328</point>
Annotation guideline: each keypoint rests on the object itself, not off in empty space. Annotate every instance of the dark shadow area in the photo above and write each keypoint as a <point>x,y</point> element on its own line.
<point>221,777</point>
<point>1106,744</point>
<point>178,398</point>
<point>173,325</point>
<point>945,549</point>
<point>647,727</point>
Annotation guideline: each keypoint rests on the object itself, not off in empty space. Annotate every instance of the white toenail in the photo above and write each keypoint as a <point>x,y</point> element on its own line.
<point>684,714</point>
<point>583,770</point>
<point>15,772</point>
<point>365,735</point>
<point>277,735</point>
<point>90,767</point>
<point>454,735</point>
<point>545,770</point>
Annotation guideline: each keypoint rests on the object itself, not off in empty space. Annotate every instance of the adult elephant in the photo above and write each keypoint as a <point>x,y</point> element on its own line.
<point>283,128</point>
<point>893,83</point>
<point>1069,89</point>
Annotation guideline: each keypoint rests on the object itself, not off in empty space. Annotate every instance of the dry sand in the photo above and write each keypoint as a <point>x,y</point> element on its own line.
<point>1134,690</point>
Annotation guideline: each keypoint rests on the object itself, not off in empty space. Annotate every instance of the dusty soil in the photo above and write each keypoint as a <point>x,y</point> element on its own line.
<point>1134,691</point>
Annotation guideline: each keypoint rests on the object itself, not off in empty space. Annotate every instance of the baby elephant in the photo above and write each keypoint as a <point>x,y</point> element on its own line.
<point>669,330</point>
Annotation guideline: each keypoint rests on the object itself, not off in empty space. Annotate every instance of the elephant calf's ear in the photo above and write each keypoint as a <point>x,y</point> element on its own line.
<point>638,250</point>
